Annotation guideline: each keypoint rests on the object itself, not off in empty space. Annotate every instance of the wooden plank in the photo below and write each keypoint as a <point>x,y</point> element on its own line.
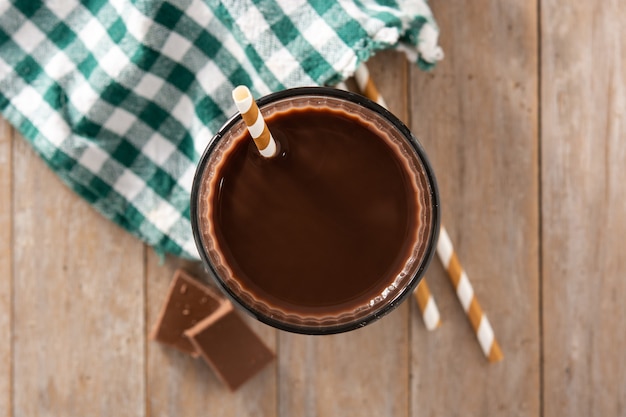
<point>79,304</point>
<point>583,101</point>
<point>477,116</point>
<point>6,270</point>
<point>179,385</point>
<point>365,371</point>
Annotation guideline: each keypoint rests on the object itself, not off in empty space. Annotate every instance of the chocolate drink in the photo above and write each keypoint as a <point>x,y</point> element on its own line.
<point>327,224</point>
<point>330,227</point>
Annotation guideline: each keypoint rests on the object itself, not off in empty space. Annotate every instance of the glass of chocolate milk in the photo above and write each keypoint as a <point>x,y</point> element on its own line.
<point>331,233</point>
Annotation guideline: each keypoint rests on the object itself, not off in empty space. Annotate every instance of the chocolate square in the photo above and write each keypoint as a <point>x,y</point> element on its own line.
<point>229,346</point>
<point>188,302</point>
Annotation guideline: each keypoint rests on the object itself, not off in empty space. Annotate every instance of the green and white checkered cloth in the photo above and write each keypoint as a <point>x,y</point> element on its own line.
<point>120,97</point>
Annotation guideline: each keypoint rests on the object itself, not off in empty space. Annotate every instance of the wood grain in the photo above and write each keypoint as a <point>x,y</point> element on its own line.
<point>364,372</point>
<point>6,269</point>
<point>584,206</point>
<point>81,294</point>
<point>477,116</point>
<point>179,385</point>
<point>79,312</point>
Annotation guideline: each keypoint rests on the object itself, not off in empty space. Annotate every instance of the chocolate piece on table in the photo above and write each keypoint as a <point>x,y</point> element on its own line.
<point>229,346</point>
<point>188,302</point>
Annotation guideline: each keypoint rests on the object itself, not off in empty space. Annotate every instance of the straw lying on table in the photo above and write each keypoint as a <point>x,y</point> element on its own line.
<point>447,256</point>
<point>423,296</point>
<point>367,86</point>
<point>425,300</point>
<point>465,293</point>
<point>427,306</point>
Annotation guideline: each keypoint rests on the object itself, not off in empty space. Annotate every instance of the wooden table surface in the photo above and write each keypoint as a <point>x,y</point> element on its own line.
<point>525,123</point>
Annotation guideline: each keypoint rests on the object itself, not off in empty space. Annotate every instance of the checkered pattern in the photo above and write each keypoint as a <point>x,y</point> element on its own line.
<point>120,97</point>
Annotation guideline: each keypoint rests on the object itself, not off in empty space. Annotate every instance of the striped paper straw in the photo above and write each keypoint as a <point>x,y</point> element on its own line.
<point>367,86</point>
<point>427,306</point>
<point>342,86</point>
<point>464,290</point>
<point>465,293</point>
<point>253,119</point>
<point>425,300</point>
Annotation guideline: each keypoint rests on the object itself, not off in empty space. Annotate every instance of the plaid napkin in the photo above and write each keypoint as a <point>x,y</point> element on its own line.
<point>120,97</point>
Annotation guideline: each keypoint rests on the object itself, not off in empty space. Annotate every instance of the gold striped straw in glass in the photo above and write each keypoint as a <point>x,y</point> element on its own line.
<point>253,119</point>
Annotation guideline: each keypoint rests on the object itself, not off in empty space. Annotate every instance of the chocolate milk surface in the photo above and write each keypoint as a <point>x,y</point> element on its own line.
<point>323,227</point>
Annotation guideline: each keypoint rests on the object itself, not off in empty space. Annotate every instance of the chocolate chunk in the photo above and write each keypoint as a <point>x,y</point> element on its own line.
<point>188,302</point>
<point>229,346</point>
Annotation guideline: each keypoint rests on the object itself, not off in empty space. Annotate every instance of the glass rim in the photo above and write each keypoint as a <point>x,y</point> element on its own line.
<point>428,174</point>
